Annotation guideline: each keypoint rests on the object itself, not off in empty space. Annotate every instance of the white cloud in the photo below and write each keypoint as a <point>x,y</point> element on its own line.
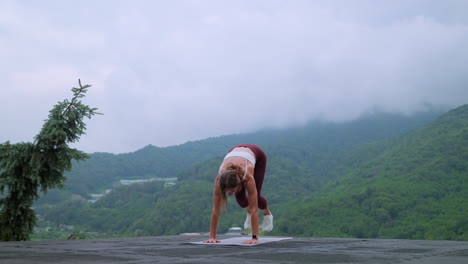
<point>167,72</point>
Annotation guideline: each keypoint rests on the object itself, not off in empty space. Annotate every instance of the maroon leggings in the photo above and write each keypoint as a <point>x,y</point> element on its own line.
<point>259,174</point>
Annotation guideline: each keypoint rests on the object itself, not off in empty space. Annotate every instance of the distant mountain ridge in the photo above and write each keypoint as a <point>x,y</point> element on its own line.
<point>324,179</point>
<point>322,137</point>
<point>103,169</point>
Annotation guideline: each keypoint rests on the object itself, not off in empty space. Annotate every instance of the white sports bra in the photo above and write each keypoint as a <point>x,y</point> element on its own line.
<point>244,155</point>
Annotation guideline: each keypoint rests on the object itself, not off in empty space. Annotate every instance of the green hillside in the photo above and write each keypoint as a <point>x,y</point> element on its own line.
<point>367,178</point>
<point>416,189</point>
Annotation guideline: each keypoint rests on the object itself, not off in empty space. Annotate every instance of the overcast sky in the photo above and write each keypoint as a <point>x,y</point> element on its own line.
<point>168,72</point>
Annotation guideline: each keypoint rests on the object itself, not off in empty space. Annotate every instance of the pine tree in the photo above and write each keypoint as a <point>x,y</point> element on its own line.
<point>26,169</point>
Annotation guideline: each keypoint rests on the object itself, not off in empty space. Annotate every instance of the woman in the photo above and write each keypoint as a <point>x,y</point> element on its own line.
<point>241,174</point>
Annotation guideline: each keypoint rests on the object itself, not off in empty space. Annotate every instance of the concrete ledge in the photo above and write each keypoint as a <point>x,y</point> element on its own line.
<point>175,249</point>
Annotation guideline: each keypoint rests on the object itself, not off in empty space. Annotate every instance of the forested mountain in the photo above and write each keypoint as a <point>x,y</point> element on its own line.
<point>306,145</point>
<point>417,188</point>
<point>380,176</point>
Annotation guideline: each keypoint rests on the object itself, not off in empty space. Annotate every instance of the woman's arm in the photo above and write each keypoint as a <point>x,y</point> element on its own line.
<point>215,213</point>
<point>253,208</point>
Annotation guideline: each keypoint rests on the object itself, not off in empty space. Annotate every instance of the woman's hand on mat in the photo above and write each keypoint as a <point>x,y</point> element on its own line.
<point>251,241</point>
<point>212,240</point>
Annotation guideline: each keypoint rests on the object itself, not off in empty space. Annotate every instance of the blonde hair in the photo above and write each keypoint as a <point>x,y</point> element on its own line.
<point>229,178</point>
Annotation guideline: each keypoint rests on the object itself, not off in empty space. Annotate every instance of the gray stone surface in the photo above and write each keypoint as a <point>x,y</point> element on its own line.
<point>175,249</point>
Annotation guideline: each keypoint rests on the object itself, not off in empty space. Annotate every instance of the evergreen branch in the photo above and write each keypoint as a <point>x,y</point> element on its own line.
<point>78,93</point>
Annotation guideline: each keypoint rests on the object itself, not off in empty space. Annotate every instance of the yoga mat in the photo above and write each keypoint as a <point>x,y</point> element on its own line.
<point>237,241</point>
